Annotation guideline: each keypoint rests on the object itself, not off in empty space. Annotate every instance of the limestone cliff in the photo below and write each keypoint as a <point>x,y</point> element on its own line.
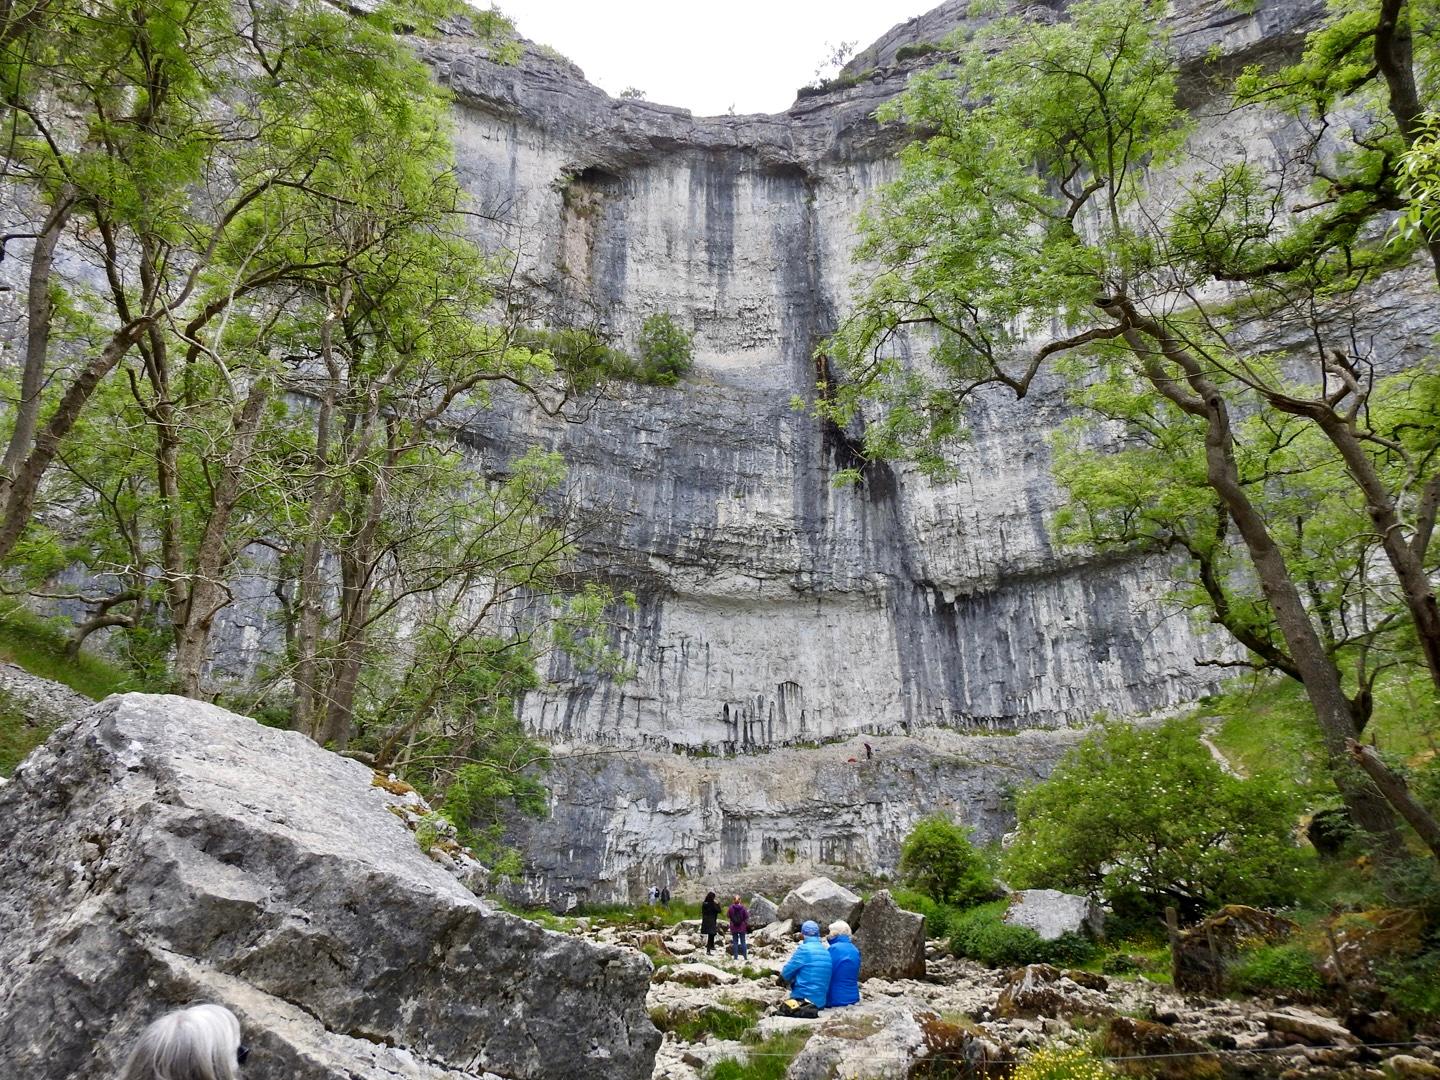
<point>776,609</point>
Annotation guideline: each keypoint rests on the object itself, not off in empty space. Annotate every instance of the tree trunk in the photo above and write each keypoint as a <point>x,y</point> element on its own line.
<point>1398,793</point>
<point>208,594</point>
<point>19,500</point>
<point>39,313</point>
<point>1149,342</point>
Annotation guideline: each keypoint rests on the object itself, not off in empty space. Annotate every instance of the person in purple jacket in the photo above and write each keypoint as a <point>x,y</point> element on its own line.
<point>739,928</point>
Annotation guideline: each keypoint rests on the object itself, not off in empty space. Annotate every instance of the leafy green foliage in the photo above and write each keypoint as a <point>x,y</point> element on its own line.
<point>1287,968</point>
<point>981,934</point>
<point>1420,181</point>
<point>1148,815</point>
<point>665,350</point>
<point>938,859</point>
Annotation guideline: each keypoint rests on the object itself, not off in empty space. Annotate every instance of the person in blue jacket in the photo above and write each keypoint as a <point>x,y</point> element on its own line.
<point>808,969</point>
<point>844,967</point>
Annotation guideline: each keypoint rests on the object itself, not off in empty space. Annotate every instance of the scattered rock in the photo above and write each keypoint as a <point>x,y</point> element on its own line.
<point>694,975</point>
<point>822,900</point>
<point>763,912</point>
<point>1409,1067</point>
<point>891,940</point>
<point>1172,1055</point>
<point>892,1039</point>
<point>1206,949</point>
<point>160,851</point>
<point>1376,1027</point>
<point>776,933</point>
<point>1309,1027</point>
<point>1052,914</point>
<point>1043,990</point>
<point>678,947</point>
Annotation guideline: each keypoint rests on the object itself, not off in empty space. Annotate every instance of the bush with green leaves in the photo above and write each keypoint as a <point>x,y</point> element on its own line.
<point>1148,813</point>
<point>938,859</point>
<point>981,934</point>
<point>1288,968</point>
<point>666,351</point>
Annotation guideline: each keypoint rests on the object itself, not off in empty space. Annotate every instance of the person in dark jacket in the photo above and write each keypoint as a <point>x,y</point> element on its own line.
<point>665,896</point>
<point>739,927</point>
<point>844,967</point>
<point>808,969</point>
<point>709,917</point>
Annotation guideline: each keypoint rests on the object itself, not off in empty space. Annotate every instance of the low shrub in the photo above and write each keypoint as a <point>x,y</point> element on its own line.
<point>917,48</point>
<point>981,934</point>
<point>1058,1063</point>
<point>1287,968</point>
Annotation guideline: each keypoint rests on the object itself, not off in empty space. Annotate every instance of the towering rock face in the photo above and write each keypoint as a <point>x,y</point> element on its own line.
<point>159,852</point>
<point>776,609</point>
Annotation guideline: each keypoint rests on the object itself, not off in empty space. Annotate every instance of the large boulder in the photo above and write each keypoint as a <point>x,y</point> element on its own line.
<point>1052,914</point>
<point>891,940</point>
<point>892,1039</point>
<point>1158,1051</point>
<point>1040,990</point>
<point>762,912</point>
<point>822,900</point>
<point>159,852</point>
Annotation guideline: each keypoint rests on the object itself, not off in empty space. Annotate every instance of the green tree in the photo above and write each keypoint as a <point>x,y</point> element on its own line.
<point>665,350</point>
<point>1023,228</point>
<point>938,859</point>
<point>1143,813</point>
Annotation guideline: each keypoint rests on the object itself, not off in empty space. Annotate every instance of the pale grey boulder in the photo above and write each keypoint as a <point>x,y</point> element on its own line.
<point>159,852</point>
<point>1052,914</point>
<point>891,940</point>
<point>762,912</point>
<point>822,900</point>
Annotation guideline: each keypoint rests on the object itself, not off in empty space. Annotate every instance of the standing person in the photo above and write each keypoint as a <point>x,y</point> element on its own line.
<point>654,894</point>
<point>665,896</point>
<point>739,928</point>
<point>868,752</point>
<point>844,967</point>
<point>808,969</point>
<point>199,1043</point>
<point>709,918</point>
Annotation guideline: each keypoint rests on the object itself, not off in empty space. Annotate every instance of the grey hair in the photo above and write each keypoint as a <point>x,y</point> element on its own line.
<point>199,1043</point>
<point>838,927</point>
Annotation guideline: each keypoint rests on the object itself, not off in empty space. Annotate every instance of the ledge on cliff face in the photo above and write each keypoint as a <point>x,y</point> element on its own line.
<point>159,852</point>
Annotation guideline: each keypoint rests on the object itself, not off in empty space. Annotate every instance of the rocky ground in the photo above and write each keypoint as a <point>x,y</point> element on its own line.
<point>964,1013</point>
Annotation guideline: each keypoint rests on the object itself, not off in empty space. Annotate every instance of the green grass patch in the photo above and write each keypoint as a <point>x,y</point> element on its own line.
<point>17,735</point>
<point>731,1021</point>
<point>38,646</point>
<point>770,1060</point>
<point>1287,968</point>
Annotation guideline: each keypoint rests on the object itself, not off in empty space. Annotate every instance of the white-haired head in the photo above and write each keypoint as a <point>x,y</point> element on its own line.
<point>839,928</point>
<point>199,1043</point>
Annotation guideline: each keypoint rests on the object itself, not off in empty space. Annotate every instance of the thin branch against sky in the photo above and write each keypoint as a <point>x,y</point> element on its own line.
<point>751,55</point>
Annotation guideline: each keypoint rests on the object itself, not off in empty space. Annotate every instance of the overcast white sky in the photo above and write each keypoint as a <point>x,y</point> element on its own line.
<point>706,57</point>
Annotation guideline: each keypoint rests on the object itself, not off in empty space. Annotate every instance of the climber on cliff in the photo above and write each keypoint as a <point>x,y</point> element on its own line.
<point>844,967</point>
<point>807,972</point>
<point>739,927</point>
<point>869,753</point>
<point>199,1043</point>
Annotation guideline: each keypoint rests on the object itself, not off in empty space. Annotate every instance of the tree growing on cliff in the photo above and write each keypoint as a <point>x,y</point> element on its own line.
<point>1023,228</point>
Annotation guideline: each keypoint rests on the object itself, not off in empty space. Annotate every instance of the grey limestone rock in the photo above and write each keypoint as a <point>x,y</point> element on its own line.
<point>891,940</point>
<point>822,900</point>
<point>1051,913</point>
<point>763,911</point>
<point>159,851</point>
